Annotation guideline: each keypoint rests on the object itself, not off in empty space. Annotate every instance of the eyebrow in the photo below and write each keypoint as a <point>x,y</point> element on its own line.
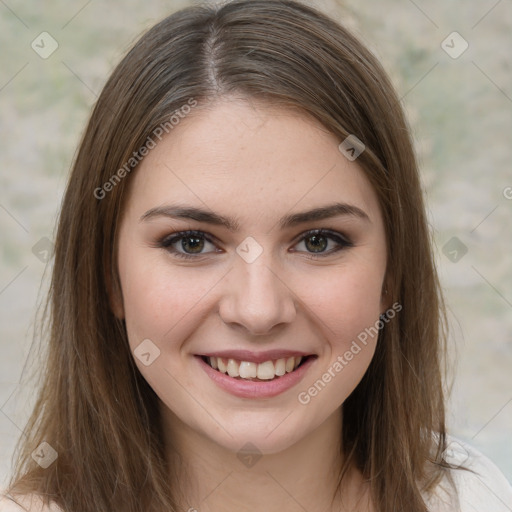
<point>200,215</point>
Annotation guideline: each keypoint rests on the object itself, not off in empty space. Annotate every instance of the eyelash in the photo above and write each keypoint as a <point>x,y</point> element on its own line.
<point>169,240</point>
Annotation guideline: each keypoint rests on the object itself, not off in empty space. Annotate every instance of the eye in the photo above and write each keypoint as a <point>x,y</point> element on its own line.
<point>317,241</point>
<point>190,244</point>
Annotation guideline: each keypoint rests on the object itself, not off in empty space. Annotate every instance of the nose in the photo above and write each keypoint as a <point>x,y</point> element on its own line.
<point>256,297</point>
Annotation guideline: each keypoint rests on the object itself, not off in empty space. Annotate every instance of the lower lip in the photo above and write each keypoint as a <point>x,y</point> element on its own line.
<point>255,389</point>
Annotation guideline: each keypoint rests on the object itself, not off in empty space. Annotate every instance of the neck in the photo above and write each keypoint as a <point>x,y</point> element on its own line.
<point>301,477</point>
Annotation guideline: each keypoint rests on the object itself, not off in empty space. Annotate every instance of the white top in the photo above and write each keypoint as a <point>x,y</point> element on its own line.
<point>486,491</point>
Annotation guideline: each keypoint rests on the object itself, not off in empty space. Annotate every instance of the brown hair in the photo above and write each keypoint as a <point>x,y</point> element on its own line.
<point>94,407</point>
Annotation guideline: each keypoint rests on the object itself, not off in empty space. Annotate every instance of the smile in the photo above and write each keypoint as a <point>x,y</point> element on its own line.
<point>267,375</point>
<point>248,370</point>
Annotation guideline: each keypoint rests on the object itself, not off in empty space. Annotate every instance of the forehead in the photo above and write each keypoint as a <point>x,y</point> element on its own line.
<point>248,157</point>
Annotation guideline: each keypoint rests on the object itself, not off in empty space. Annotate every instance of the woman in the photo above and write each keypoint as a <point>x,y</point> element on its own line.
<point>245,314</point>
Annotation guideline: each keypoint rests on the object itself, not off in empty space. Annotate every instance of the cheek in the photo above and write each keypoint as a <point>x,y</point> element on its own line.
<point>346,301</point>
<point>157,297</point>
<point>160,306</point>
<point>347,304</point>
<point>349,320</point>
<point>163,307</point>
<point>358,305</point>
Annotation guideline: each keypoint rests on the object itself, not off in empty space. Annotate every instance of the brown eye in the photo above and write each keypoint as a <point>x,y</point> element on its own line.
<point>192,244</point>
<point>317,241</point>
<point>187,244</point>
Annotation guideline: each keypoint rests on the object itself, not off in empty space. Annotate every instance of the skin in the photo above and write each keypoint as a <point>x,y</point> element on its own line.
<point>254,163</point>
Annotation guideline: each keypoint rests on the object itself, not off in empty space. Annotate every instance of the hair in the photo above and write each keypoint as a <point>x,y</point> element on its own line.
<point>94,407</point>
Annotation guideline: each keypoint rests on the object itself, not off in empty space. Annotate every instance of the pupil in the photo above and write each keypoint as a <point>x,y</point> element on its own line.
<point>319,241</point>
<point>196,245</point>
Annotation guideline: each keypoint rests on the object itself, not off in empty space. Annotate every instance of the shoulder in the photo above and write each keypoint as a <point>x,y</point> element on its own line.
<point>25,503</point>
<point>483,489</point>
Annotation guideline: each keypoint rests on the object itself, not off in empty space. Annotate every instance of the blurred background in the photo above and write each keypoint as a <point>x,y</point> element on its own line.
<point>450,62</point>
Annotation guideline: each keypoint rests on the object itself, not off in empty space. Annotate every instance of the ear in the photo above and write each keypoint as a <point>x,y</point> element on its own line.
<point>115,295</point>
<point>386,299</point>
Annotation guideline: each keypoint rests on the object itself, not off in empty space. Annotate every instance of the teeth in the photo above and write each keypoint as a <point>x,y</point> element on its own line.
<point>280,367</point>
<point>233,368</point>
<point>220,364</point>
<point>266,370</point>
<point>248,370</point>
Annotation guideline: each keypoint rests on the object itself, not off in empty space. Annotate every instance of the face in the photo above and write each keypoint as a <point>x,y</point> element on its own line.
<point>248,236</point>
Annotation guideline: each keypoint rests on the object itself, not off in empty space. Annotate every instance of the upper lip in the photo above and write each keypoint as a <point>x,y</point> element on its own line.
<point>256,357</point>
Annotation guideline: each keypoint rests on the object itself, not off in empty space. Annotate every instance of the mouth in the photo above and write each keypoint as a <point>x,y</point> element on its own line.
<point>265,371</point>
<point>256,375</point>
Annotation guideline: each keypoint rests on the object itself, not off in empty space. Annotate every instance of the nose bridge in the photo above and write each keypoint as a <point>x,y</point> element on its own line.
<point>256,296</point>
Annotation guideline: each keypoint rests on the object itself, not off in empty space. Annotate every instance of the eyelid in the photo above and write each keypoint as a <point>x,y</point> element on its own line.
<point>188,232</point>
<point>323,231</point>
